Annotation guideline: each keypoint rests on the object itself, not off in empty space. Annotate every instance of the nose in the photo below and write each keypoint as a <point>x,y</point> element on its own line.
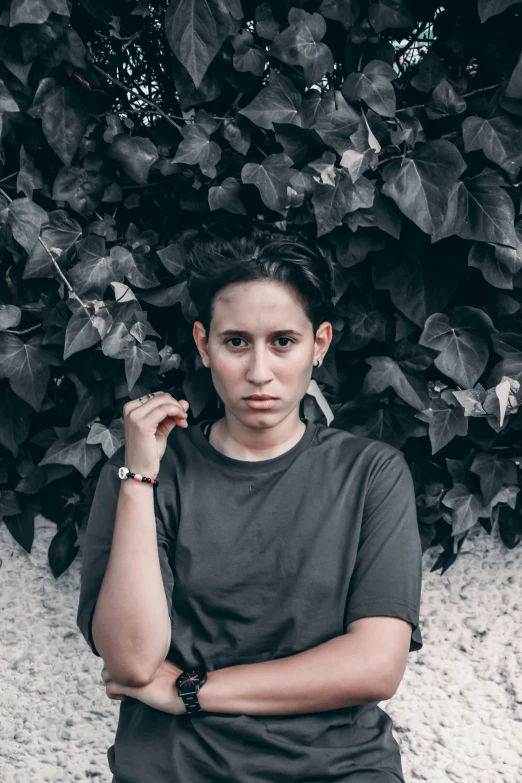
<point>258,372</point>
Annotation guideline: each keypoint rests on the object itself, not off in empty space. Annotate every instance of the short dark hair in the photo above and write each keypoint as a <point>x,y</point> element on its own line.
<point>230,251</point>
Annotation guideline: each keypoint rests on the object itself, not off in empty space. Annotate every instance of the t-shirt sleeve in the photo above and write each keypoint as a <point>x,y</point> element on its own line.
<point>387,575</point>
<point>98,541</point>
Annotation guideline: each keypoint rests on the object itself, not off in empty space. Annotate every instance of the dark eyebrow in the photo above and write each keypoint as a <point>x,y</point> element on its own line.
<point>242,333</point>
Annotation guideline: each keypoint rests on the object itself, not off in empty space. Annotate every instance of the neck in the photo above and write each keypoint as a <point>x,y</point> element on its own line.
<point>233,439</point>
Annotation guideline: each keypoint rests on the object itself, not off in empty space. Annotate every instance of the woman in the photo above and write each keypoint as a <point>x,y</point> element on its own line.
<point>288,552</point>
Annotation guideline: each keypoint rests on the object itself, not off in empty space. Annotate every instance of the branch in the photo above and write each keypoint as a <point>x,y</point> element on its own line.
<point>385,160</point>
<point>413,39</point>
<point>51,255</point>
<point>130,90</point>
<point>465,95</point>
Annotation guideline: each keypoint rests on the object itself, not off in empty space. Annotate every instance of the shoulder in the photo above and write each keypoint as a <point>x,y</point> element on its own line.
<point>374,452</point>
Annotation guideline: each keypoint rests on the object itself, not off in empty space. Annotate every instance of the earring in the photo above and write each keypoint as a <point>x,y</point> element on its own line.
<point>318,363</point>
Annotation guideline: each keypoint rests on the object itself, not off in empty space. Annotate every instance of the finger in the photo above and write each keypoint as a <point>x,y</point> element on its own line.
<point>140,410</point>
<point>135,404</point>
<point>164,411</point>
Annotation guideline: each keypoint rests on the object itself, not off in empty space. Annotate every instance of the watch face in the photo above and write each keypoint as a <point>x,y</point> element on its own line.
<point>191,679</point>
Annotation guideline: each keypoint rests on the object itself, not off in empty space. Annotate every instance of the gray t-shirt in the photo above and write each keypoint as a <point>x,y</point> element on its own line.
<point>262,560</point>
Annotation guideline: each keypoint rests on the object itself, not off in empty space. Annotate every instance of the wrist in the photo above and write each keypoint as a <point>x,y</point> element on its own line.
<point>178,705</point>
<point>189,685</point>
<point>148,477</point>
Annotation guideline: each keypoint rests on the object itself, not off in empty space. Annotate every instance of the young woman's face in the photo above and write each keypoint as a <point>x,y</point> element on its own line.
<point>261,342</point>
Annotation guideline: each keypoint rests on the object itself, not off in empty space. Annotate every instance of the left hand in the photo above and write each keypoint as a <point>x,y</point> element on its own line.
<point>161,693</point>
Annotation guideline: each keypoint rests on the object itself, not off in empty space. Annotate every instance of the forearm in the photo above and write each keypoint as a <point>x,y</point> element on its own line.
<point>338,673</point>
<point>131,627</point>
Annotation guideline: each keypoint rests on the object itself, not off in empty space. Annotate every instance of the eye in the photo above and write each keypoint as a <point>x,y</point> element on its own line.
<point>240,338</point>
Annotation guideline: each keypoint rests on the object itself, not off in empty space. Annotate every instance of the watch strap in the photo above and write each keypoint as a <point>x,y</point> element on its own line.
<point>188,684</point>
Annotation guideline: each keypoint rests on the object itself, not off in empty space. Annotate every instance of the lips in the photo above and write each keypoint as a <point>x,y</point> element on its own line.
<point>260,397</point>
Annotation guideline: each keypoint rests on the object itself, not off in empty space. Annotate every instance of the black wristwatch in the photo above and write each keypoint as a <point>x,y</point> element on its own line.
<point>188,684</point>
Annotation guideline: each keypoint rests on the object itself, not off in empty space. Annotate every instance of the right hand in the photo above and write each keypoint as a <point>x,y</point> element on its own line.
<point>147,426</point>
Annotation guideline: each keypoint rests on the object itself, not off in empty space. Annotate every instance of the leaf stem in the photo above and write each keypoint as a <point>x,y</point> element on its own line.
<point>128,89</point>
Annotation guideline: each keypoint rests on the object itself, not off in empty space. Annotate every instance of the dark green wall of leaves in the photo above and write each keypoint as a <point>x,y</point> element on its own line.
<point>389,131</point>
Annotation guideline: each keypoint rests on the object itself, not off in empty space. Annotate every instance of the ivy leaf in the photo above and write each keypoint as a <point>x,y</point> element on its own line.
<point>422,185</point>
<point>445,422</point>
<point>510,367</point>
<point>352,248</point>
<point>489,8</point>
<point>344,11</point>
<point>513,90</point>
<point>136,356</point>
<point>382,214</point>
<point>401,373</point>
<point>466,507</point>
<point>7,102</point>
<point>362,324</point>
<point>280,101</point>
<point>271,177</point>
<point>64,118</point>
<point>494,473</point>
<point>63,549</point>
<point>480,209</point>
<point>266,24</point>
<point>483,256</point>
<point>507,344</point>
<point>388,14</point>
<point>418,288</point>
<point>26,365</point>
<point>136,155</point>
<point>299,44</point>
<point>29,177</point>
<point>172,258</point>
<point>95,271</point>
<point>25,220</point>
<point>196,32</point>
<point>499,138</point>
<point>82,188</point>
<point>36,11</point>
<point>60,232</point>
<point>226,196</point>
<point>462,340</point>
<point>332,202</point>
<point>133,266</point>
<point>196,147</point>
<point>444,101</point>
<point>336,121</point>
<point>78,453</point>
<point>431,71</point>
<point>373,85</point>
<point>510,526</point>
<point>248,58</point>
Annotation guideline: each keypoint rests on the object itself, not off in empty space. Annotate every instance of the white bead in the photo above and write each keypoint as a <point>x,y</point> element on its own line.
<point>122,472</point>
<point>138,477</point>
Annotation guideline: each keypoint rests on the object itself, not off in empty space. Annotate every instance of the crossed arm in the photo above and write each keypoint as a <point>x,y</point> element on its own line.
<point>365,664</point>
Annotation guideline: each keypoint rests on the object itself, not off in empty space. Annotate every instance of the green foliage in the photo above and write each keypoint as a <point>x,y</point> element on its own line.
<point>389,130</point>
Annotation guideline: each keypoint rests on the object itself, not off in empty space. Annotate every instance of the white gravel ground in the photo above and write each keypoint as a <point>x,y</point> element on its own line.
<point>457,713</point>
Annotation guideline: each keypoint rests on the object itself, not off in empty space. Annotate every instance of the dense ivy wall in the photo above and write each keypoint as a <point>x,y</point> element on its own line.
<point>391,131</point>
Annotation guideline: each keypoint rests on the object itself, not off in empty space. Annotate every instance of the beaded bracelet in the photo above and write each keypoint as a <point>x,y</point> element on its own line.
<point>124,473</point>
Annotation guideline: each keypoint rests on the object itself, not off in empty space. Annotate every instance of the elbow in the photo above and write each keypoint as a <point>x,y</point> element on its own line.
<point>386,694</point>
<point>387,687</point>
<point>137,680</point>
<point>131,678</point>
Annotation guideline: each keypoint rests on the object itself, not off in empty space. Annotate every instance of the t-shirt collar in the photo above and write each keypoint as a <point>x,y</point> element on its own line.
<point>247,466</point>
